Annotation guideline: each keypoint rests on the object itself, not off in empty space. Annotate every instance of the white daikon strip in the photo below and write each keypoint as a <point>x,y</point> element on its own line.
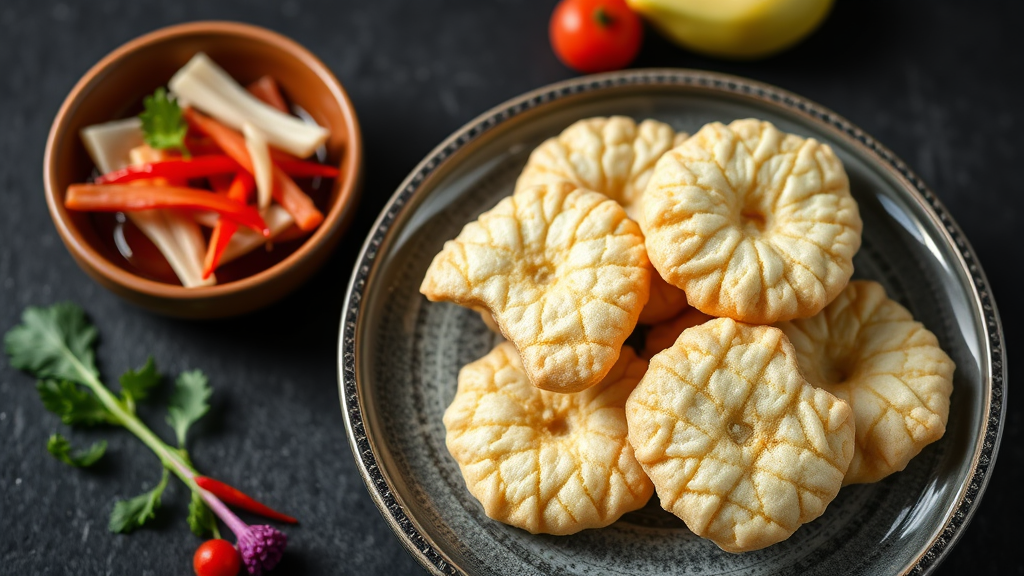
<point>190,241</point>
<point>109,143</point>
<point>263,169</point>
<point>207,218</point>
<point>154,225</point>
<point>208,88</point>
<point>246,240</point>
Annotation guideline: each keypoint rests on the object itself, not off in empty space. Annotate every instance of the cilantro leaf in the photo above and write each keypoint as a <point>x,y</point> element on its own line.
<point>188,402</point>
<point>200,518</point>
<point>131,514</point>
<point>60,448</point>
<point>162,124</point>
<point>73,404</point>
<point>136,384</point>
<point>54,342</point>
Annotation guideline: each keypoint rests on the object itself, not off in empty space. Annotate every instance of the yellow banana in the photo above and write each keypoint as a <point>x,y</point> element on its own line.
<point>741,29</point>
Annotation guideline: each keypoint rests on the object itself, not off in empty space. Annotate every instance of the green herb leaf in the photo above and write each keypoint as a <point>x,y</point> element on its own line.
<point>74,405</point>
<point>54,342</point>
<point>136,384</point>
<point>201,519</point>
<point>162,124</point>
<point>61,450</point>
<point>188,402</point>
<point>131,514</point>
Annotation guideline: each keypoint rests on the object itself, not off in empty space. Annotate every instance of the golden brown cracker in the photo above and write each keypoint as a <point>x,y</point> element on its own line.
<point>614,156</point>
<point>752,223</point>
<point>543,461</point>
<point>869,351</point>
<point>564,273</point>
<point>737,443</point>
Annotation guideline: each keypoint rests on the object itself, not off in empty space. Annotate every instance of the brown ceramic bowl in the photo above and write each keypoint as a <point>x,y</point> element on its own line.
<point>113,89</point>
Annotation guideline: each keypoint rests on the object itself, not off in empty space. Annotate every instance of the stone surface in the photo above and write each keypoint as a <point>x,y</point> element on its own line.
<point>939,83</point>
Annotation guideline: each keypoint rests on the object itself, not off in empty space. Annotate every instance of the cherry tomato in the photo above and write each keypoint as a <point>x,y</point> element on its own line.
<point>595,35</point>
<point>216,558</point>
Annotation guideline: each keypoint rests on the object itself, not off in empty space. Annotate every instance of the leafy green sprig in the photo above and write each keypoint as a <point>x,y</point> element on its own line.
<point>56,344</point>
<point>162,124</point>
<point>61,449</point>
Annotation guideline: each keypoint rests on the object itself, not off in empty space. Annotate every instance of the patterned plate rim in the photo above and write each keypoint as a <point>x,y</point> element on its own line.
<point>363,447</point>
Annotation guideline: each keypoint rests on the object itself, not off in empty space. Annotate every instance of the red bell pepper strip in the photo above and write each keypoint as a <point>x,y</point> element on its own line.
<point>219,239</point>
<point>221,183</point>
<point>267,90</point>
<point>205,166</point>
<point>240,190</point>
<point>286,192</point>
<point>127,198</point>
<point>304,168</point>
<point>235,497</point>
<point>181,168</point>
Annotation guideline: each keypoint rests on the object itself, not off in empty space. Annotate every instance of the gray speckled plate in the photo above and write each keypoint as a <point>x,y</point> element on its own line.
<point>399,354</point>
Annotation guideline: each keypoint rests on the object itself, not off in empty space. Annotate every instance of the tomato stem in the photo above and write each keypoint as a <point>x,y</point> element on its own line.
<point>603,18</point>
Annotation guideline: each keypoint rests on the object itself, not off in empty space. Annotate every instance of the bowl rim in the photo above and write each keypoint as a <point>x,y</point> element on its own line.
<point>367,454</point>
<point>348,187</point>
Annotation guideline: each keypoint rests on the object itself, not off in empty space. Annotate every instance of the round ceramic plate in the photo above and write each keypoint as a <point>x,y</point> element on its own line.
<point>400,354</point>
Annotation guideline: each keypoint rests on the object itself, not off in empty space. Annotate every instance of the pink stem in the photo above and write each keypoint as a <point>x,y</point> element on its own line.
<point>219,508</point>
<point>224,513</point>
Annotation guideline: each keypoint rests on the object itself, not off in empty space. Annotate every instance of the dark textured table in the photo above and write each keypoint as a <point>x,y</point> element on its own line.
<point>939,83</point>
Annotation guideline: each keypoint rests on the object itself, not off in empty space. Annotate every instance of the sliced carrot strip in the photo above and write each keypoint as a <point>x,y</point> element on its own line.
<point>267,90</point>
<point>128,198</point>
<point>288,194</point>
<point>230,141</point>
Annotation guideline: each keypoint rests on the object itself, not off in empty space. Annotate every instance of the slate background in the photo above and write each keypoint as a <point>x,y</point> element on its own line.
<point>939,83</point>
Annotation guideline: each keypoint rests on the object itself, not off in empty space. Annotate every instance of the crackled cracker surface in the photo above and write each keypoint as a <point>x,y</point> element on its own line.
<point>665,302</point>
<point>737,443</point>
<point>614,156</point>
<point>753,223</point>
<point>869,351</point>
<point>543,461</point>
<point>664,335</point>
<point>563,272</point>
